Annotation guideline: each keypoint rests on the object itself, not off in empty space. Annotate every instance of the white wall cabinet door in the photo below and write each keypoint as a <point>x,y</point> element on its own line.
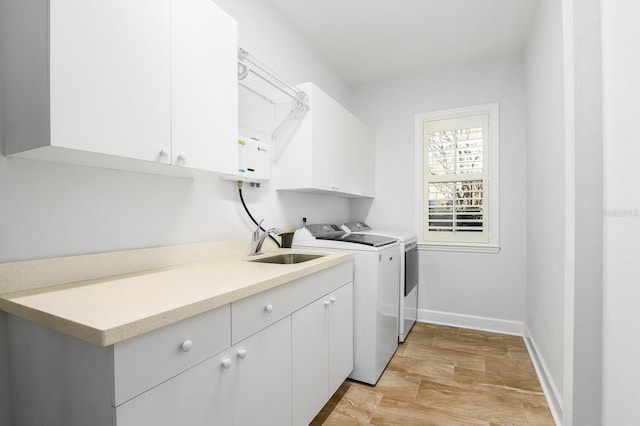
<point>331,151</point>
<point>262,377</point>
<point>200,396</point>
<point>110,77</point>
<point>310,353</point>
<point>204,86</point>
<point>340,336</point>
<point>357,174</point>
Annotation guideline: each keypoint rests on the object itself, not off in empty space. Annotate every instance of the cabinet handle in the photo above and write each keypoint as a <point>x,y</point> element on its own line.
<point>226,363</point>
<point>268,309</point>
<point>332,299</point>
<point>326,303</point>
<point>242,353</point>
<point>186,346</point>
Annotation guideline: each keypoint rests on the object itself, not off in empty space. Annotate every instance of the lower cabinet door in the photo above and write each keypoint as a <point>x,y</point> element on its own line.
<point>262,388</point>
<point>197,397</point>
<point>340,336</point>
<point>310,352</point>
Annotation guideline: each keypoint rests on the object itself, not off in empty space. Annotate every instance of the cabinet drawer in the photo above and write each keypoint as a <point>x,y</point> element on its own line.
<point>253,313</point>
<point>147,360</point>
<point>314,286</point>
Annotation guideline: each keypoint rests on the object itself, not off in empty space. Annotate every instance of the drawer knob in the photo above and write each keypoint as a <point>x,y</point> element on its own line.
<point>268,309</point>
<point>186,346</point>
<point>326,303</point>
<point>242,353</point>
<point>333,299</point>
<point>226,363</point>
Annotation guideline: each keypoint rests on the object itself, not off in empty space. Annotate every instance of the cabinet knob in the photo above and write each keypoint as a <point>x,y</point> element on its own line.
<point>242,353</point>
<point>326,303</point>
<point>186,346</point>
<point>268,309</point>
<point>182,157</point>
<point>332,299</point>
<point>163,152</point>
<point>226,363</point>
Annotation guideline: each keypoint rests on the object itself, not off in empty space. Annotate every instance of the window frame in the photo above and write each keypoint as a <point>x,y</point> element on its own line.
<point>493,195</point>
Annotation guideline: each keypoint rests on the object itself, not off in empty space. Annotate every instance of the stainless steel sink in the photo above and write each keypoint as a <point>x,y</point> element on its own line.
<point>287,258</point>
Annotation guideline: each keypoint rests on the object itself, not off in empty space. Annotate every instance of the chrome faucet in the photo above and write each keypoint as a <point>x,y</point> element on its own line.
<point>259,237</point>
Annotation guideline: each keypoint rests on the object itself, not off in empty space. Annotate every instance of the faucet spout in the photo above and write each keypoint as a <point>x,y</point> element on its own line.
<point>258,238</point>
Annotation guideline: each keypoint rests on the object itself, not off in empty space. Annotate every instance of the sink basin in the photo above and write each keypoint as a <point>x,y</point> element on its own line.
<point>287,258</point>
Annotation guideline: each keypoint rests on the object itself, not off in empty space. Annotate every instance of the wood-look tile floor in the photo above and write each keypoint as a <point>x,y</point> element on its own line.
<point>446,376</point>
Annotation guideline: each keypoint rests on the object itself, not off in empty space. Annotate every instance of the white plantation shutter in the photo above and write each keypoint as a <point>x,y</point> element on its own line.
<point>456,179</point>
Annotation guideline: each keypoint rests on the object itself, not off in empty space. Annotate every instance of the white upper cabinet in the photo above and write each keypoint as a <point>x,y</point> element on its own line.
<point>112,82</point>
<point>204,86</point>
<point>331,151</point>
<point>109,76</point>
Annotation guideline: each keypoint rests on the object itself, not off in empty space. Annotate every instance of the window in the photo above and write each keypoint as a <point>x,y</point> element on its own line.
<point>456,163</point>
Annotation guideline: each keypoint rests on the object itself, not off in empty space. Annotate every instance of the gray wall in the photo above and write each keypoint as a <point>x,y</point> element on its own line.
<point>546,191</point>
<point>621,373</point>
<point>564,226</point>
<point>586,349</point>
<point>4,371</point>
<point>490,285</point>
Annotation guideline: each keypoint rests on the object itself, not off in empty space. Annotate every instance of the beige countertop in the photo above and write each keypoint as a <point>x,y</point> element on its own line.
<point>108,310</point>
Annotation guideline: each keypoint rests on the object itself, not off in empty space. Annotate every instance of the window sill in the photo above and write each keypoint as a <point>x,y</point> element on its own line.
<point>461,248</point>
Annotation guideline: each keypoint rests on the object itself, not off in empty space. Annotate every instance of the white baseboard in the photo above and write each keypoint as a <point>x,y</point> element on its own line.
<point>516,328</point>
<point>551,393</point>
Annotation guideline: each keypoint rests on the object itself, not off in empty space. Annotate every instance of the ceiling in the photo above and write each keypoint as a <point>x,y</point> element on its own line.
<point>369,40</point>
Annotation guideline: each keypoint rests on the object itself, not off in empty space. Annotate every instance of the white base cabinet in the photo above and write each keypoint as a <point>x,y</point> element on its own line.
<point>194,372</point>
<point>262,377</point>
<point>322,335</point>
<point>340,337</point>
<point>199,396</point>
<point>248,384</point>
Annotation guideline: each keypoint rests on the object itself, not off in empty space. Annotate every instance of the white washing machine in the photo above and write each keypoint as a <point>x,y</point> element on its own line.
<point>408,309</point>
<point>375,298</point>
